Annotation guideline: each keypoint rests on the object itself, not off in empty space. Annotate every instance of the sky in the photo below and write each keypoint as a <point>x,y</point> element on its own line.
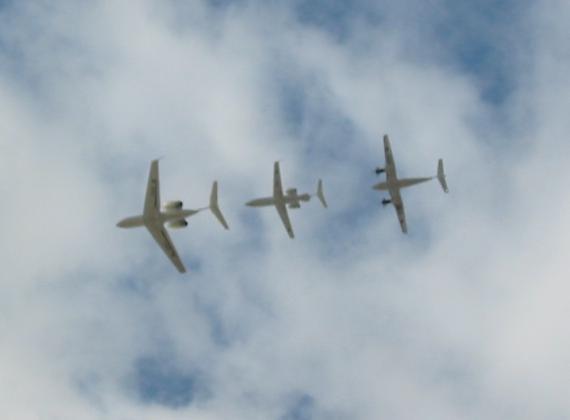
<point>463,318</point>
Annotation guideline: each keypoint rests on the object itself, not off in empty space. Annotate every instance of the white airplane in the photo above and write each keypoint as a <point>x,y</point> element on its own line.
<point>173,215</point>
<point>290,198</point>
<point>393,184</point>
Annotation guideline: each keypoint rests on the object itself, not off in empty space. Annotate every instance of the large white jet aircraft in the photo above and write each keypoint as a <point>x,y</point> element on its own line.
<point>173,215</point>
<point>393,184</point>
<point>290,198</point>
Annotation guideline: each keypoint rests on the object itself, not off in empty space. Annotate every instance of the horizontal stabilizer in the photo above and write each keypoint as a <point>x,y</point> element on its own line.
<point>214,208</point>
<point>441,176</point>
<point>321,194</point>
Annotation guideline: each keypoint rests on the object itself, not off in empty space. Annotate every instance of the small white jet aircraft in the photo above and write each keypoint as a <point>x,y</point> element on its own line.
<point>290,198</point>
<point>173,215</point>
<point>393,184</point>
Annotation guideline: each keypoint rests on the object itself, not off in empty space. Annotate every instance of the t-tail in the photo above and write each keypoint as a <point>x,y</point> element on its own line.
<point>441,176</point>
<point>321,194</point>
<point>214,208</point>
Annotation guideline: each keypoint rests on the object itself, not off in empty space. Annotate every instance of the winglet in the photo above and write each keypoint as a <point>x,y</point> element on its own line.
<point>320,194</point>
<point>441,176</point>
<point>214,208</point>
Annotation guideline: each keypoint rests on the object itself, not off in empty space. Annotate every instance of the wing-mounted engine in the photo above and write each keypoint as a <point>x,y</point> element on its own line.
<point>172,206</point>
<point>178,224</point>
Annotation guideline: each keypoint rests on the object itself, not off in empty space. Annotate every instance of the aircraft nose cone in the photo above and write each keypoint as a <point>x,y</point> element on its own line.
<point>121,224</point>
<point>249,203</point>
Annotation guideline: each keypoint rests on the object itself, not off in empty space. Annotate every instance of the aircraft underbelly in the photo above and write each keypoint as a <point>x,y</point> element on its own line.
<point>131,222</point>
<point>408,182</point>
<point>382,186</point>
<point>389,185</point>
<point>262,202</point>
<point>176,215</point>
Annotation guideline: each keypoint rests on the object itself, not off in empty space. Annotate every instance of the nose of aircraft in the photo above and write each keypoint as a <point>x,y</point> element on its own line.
<point>121,224</point>
<point>254,203</point>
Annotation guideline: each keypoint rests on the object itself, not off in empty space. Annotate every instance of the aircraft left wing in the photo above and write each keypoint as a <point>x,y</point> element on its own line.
<point>280,200</point>
<point>400,212</point>
<point>390,164</point>
<point>152,198</point>
<point>277,185</point>
<point>162,237</point>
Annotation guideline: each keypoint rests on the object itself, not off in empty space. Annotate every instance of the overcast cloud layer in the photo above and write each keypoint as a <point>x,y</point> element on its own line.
<point>464,318</point>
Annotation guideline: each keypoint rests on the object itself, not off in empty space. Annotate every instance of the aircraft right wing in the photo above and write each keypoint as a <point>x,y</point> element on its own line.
<point>400,212</point>
<point>282,210</point>
<point>152,198</point>
<point>280,201</point>
<point>162,237</point>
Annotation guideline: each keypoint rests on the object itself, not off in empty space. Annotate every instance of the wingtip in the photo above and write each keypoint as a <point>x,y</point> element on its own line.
<point>291,233</point>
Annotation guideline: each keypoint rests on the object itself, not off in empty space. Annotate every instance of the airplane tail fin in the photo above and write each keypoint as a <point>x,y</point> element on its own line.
<point>321,194</point>
<point>441,176</point>
<point>214,208</point>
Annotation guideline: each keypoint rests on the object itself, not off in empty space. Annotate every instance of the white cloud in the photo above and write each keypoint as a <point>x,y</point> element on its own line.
<point>462,319</point>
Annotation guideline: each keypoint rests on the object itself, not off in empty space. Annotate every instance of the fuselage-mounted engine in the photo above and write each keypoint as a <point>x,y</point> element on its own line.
<point>292,192</point>
<point>293,198</point>
<point>171,206</point>
<point>178,224</point>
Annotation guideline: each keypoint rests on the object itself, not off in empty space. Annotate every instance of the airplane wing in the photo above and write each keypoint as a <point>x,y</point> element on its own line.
<point>162,237</point>
<point>400,212</point>
<point>280,201</point>
<point>282,210</point>
<point>277,185</point>
<point>152,198</point>
<point>390,164</point>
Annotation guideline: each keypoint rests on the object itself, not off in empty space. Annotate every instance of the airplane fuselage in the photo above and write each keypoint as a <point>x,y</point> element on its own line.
<point>286,199</point>
<point>162,217</point>
<point>393,184</point>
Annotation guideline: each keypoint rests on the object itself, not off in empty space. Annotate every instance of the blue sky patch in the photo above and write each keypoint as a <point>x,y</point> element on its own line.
<point>478,37</point>
<point>302,408</point>
<point>158,382</point>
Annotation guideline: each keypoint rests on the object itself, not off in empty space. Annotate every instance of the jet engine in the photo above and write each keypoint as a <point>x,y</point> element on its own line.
<point>178,224</point>
<point>379,170</point>
<point>292,192</point>
<point>172,205</point>
<point>385,201</point>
